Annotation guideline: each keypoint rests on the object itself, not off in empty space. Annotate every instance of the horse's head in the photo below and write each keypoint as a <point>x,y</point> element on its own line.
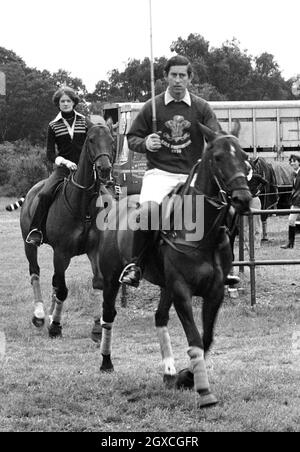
<point>227,164</point>
<point>100,144</point>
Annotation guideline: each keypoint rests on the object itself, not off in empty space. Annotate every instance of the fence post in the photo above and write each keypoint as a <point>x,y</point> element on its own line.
<point>252,260</point>
<point>241,243</point>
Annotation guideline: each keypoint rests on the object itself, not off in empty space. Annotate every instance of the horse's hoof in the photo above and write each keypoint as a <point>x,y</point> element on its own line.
<point>169,381</point>
<point>38,323</point>
<point>55,330</point>
<point>184,379</point>
<point>107,369</point>
<point>96,334</point>
<point>107,365</point>
<point>208,400</point>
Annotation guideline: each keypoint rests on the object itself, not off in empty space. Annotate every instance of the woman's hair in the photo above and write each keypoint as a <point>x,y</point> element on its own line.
<point>294,157</point>
<point>178,60</point>
<point>65,90</point>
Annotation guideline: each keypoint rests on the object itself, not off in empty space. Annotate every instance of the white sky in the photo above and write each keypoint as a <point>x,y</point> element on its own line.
<point>91,37</point>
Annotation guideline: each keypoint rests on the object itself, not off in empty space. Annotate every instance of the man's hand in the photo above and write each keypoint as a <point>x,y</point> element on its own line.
<point>153,143</point>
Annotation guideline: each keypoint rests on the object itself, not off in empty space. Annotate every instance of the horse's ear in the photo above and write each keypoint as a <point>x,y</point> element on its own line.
<point>209,134</point>
<point>236,128</point>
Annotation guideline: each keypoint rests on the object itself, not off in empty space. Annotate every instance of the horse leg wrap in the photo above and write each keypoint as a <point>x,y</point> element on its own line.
<point>58,306</point>
<point>105,347</point>
<point>166,350</point>
<point>201,383</point>
<point>53,302</point>
<point>37,294</point>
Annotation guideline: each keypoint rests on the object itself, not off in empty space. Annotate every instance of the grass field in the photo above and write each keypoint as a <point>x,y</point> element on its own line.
<point>55,385</point>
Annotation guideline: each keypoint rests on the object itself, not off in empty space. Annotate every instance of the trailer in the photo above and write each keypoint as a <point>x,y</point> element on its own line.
<point>269,129</point>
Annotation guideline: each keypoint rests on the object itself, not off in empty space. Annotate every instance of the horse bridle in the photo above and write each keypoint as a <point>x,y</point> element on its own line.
<point>93,163</point>
<point>226,189</point>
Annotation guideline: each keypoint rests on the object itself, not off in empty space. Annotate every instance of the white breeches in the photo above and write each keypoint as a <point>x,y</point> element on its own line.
<point>157,184</point>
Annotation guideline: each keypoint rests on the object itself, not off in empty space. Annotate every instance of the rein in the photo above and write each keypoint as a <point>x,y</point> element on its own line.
<point>220,202</point>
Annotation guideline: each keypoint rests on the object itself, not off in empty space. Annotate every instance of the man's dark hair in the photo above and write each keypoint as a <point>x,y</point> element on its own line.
<point>69,92</point>
<point>294,157</point>
<point>178,60</point>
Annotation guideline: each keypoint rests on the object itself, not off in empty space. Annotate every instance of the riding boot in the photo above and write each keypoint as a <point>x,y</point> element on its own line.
<point>35,236</point>
<point>132,273</point>
<point>290,244</point>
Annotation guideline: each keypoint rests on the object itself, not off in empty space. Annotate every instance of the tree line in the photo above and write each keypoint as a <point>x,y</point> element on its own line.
<point>223,73</point>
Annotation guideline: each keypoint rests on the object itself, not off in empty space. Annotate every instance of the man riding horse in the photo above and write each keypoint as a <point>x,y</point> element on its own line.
<point>171,153</point>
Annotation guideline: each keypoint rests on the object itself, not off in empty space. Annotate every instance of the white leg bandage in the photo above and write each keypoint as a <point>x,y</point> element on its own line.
<point>199,368</point>
<point>37,294</point>
<point>105,347</point>
<point>58,307</point>
<point>166,350</point>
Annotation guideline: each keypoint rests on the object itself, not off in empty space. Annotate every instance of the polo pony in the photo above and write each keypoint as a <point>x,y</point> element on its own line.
<point>70,228</point>
<point>180,263</point>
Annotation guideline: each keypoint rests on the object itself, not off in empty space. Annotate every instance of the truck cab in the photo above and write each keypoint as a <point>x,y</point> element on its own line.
<point>129,167</point>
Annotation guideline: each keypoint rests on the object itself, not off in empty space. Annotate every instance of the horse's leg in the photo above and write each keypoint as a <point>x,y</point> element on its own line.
<point>161,322</point>
<point>213,299</point>
<point>110,292</point>
<point>183,305</point>
<point>211,306</point>
<point>60,292</point>
<point>97,282</point>
<point>38,318</point>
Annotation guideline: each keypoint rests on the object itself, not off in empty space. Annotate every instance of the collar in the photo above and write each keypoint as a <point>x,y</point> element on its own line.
<point>59,116</point>
<point>186,98</point>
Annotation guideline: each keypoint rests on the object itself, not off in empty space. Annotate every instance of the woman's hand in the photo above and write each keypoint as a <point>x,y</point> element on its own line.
<point>59,161</point>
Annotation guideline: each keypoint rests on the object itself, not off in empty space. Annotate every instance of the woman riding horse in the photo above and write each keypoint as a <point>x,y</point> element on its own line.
<point>70,225</point>
<point>67,132</point>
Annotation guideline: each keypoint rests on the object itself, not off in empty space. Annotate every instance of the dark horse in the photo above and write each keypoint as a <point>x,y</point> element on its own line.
<point>266,189</point>
<point>70,228</point>
<point>184,268</point>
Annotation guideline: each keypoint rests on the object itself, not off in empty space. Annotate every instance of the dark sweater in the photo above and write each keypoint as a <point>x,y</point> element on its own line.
<point>59,141</point>
<point>295,196</point>
<point>182,141</point>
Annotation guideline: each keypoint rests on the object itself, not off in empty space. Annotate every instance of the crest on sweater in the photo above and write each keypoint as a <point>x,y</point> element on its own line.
<point>178,138</point>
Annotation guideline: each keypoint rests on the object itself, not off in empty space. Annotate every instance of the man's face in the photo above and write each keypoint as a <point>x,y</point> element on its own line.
<point>295,164</point>
<point>178,81</point>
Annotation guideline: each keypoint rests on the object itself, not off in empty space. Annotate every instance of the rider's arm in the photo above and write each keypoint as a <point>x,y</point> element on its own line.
<point>51,154</point>
<point>140,129</point>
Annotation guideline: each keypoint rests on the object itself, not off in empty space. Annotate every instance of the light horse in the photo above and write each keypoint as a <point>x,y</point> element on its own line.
<point>184,268</point>
<point>70,228</point>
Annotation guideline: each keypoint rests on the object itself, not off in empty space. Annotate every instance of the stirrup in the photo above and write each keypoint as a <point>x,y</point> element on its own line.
<point>231,280</point>
<point>126,271</point>
<point>32,241</point>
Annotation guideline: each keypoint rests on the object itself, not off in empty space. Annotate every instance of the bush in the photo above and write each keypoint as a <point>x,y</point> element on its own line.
<point>21,167</point>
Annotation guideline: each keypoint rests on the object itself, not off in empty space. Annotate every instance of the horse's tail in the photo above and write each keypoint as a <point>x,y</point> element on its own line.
<point>15,205</point>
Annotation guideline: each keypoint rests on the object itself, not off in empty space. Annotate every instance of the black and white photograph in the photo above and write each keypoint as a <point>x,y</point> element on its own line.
<point>149,219</point>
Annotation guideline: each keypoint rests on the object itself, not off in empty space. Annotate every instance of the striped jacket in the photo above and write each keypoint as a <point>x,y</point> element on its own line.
<point>60,141</point>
